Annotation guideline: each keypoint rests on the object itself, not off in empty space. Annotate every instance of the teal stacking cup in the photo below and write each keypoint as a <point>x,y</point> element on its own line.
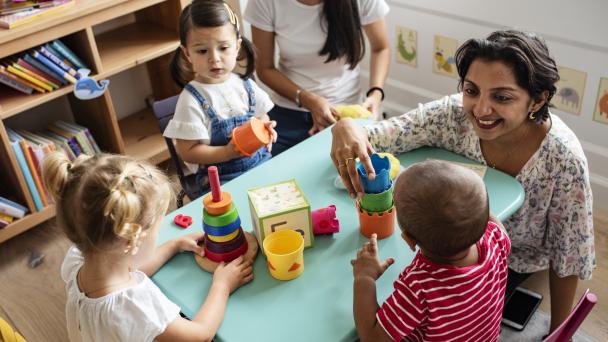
<point>378,202</point>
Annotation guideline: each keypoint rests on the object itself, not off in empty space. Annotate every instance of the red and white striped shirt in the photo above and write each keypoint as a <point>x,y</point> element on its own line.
<point>436,302</point>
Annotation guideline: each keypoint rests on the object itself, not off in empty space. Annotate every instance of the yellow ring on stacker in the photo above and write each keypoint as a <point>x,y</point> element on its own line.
<point>225,237</point>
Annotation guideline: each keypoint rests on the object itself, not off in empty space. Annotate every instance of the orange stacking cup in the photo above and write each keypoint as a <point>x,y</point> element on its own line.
<point>381,223</point>
<point>250,136</point>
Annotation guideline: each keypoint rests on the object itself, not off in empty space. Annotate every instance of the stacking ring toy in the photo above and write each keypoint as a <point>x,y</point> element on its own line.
<point>220,207</point>
<point>222,230</point>
<point>223,238</point>
<point>226,257</point>
<point>220,220</point>
<point>225,247</point>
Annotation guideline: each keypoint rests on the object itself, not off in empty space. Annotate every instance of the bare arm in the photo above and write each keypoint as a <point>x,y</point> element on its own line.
<point>204,325</point>
<point>277,81</point>
<point>379,62</point>
<point>192,151</point>
<point>167,250</point>
<point>365,306</point>
<point>562,291</point>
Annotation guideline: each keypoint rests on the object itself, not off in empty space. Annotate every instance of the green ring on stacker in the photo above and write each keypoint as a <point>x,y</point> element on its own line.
<point>221,220</point>
<point>378,202</point>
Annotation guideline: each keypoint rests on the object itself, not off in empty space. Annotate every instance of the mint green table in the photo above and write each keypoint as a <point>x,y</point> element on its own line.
<point>317,306</point>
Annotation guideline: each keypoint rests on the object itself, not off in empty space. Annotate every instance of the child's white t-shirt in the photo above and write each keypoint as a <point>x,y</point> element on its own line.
<point>300,34</point>
<point>137,313</point>
<point>228,99</point>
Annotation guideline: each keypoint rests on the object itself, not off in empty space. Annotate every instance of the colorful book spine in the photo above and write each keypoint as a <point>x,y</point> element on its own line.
<point>33,75</point>
<point>6,218</point>
<point>71,141</point>
<point>59,62</point>
<point>14,137</point>
<point>30,164</point>
<point>4,71</point>
<point>67,53</point>
<point>82,139</point>
<point>11,82</point>
<point>53,67</point>
<point>87,133</point>
<point>60,143</point>
<point>43,68</point>
<point>40,85</point>
<point>10,208</point>
<point>55,83</point>
<point>56,53</point>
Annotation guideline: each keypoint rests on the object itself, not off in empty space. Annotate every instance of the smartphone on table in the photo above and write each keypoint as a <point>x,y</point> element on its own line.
<point>520,307</point>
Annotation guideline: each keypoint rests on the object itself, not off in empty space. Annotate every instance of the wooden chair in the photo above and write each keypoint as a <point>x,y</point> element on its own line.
<point>564,332</point>
<point>164,110</point>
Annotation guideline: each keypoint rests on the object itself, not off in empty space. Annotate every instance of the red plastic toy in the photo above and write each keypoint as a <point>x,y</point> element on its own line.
<point>182,220</point>
<point>324,221</point>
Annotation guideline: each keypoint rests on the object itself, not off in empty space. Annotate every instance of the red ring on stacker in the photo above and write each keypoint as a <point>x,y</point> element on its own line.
<point>225,247</point>
<point>227,257</point>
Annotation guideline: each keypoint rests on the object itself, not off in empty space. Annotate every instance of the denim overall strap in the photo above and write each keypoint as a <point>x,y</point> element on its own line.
<point>205,105</point>
<point>251,94</point>
<point>221,130</point>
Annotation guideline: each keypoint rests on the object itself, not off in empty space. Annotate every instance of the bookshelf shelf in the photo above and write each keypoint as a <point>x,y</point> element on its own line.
<point>149,37</point>
<point>133,44</point>
<point>26,223</point>
<point>142,138</point>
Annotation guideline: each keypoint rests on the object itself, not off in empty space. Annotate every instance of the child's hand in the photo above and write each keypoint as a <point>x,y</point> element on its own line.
<point>189,243</point>
<point>367,264</point>
<point>234,274</point>
<point>270,125</point>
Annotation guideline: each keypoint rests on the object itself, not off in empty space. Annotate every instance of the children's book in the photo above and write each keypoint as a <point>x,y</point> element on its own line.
<point>23,165</point>
<point>52,50</point>
<point>19,79</point>
<point>88,134</point>
<point>55,82</point>
<point>35,75</point>
<point>33,62</point>
<point>55,59</point>
<point>6,218</point>
<point>79,134</point>
<point>10,208</point>
<point>29,159</point>
<point>62,144</point>
<point>67,53</point>
<point>29,78</point>
<point>10,80</point>
<point>12,20</point>
<point>71,141</point>
<point>49,64</point>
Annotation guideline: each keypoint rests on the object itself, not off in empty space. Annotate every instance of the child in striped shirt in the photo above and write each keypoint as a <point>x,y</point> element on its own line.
<point>454,288</point>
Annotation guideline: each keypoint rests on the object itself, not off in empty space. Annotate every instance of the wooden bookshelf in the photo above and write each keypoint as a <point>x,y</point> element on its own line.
<point>149,38</point>
<point>142,137</point>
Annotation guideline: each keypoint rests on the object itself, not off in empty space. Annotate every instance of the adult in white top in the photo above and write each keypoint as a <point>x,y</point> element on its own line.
<point>502,119</point>
<point>320,44</point>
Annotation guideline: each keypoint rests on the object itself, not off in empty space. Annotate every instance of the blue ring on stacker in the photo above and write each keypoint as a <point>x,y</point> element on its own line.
<point>223,230</point>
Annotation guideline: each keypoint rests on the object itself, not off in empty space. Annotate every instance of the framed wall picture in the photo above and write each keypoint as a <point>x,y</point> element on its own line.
<point>600,114</point>
<point>444,49</point>
<point>407,46</point>
<point>570,90</point>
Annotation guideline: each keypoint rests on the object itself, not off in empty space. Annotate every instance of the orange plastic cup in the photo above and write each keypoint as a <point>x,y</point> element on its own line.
<point>381,223</point>
<point>250,136</point>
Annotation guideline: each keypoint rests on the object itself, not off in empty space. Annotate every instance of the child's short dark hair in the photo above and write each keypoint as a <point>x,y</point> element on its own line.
<point>442,206</point>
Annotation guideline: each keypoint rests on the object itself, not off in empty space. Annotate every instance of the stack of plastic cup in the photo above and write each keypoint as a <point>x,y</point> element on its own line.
<point>224,238</point>
<point>375,207</point>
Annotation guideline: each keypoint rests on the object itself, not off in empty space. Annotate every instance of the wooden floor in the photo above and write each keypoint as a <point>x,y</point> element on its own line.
<point>32,300</point>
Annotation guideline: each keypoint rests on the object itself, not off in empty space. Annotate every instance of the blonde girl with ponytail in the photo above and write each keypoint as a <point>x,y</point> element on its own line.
<point>111,207</point>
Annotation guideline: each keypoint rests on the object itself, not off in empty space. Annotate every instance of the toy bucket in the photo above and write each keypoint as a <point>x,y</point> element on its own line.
<point>382,182</point>
<point>250,136</point>
<point>382,223</point>
<point>378,202</point>
<point>284,251</point>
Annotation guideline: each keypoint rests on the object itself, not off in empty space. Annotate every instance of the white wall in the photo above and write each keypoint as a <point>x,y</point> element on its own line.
<point>576,33</point>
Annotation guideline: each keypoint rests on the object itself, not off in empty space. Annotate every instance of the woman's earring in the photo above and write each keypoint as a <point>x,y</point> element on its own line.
<point>532,116</point>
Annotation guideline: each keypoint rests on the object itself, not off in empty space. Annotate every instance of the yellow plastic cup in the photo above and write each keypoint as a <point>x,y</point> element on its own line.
<point>284,251</point>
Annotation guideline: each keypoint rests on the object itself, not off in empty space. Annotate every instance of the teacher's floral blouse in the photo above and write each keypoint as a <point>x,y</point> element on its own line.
<point>554,226</point>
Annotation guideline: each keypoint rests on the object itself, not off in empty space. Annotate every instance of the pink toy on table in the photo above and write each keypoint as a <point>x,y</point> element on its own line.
<point>324,221</point>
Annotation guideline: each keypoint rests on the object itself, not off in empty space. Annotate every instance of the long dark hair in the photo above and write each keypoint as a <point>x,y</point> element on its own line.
<point>525,52</point>
<point>207,13</point>
<point>344,33</point>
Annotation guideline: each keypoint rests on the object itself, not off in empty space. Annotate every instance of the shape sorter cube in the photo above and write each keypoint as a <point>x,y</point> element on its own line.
<point>280,206</point>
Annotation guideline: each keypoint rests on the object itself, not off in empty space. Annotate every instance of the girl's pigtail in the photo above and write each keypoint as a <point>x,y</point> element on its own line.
<point>180,68</point>
<point>247,53</point>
